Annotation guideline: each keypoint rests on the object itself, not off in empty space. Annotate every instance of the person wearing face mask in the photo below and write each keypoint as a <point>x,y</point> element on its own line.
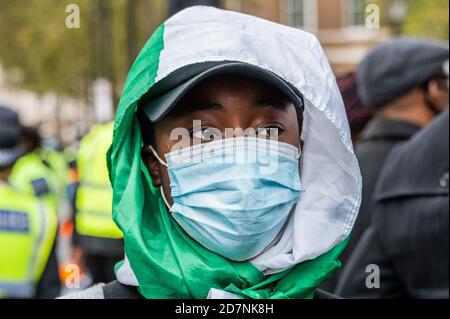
<point>404,83</point>
<point>232,165</point>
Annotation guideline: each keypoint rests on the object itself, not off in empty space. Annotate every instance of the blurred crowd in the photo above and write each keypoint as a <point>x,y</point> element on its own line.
<point>397,103</point>
<point>55,205</point>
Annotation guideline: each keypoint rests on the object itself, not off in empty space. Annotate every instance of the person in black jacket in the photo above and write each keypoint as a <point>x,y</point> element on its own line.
<point>404,83</point>
<point>408,242</point>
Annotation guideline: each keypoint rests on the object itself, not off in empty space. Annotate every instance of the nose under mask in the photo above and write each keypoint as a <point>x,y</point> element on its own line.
<point>234,196</point>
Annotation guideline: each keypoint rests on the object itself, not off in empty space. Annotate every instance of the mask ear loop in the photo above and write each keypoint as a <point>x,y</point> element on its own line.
<point>165,165</point>
<point>157,157</point>
<point>299,156</point>
<point>164,199</point>
<point>301,109</point>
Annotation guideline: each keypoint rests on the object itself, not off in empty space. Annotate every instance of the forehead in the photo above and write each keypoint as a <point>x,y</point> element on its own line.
<point>229,90</point>
<point>241,85</point>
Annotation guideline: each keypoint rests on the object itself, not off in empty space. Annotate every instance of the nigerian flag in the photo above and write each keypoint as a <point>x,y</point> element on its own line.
<point>161,259</point>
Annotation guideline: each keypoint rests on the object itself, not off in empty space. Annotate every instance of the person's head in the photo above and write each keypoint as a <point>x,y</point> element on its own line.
<point>358,115</point>
<point>220,210</point>
<point>10,149</point>
<point>403,79</point>
<point>436,92</point>
<point>228,106</point>
<point>31,139</point>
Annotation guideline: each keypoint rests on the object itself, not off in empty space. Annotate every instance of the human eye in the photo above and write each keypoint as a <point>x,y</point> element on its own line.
<point>270,131</point>
<point>206,134</point>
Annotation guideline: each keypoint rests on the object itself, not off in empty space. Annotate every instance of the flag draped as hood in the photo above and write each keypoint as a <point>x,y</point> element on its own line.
<point>161,259</point>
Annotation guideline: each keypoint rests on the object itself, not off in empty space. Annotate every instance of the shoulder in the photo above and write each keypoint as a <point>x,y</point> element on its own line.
<point>417,168</point>
<point>95,292</point>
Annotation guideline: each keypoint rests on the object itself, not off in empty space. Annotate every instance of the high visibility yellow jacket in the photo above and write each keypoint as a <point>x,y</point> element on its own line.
<point>56,161</point>
<point>94,194</point>
<point>32,176</point>
<point>27,235</point>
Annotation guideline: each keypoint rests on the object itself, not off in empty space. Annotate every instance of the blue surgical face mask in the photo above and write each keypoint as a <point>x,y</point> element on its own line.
<point>234,196</point>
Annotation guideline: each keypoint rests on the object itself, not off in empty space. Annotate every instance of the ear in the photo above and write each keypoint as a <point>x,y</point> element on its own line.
<point>153,168</point>
<point>437,95</point>
<point>432,89</point>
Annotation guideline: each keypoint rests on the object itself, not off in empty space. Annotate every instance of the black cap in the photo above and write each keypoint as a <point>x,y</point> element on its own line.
<point>165,95</point>
<point>398,66</point>
<point>10,149</point>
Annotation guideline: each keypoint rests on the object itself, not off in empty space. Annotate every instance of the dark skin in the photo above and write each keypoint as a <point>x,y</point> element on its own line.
<point>4,173</point>
<point>222,102</point>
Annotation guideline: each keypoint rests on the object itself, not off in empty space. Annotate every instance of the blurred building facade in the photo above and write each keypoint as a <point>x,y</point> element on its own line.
<point>341,25</point>
<point>60,119</point>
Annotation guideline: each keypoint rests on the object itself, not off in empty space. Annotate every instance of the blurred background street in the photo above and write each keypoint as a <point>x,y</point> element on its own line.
<point>63,80</point>
<point>63,76</point>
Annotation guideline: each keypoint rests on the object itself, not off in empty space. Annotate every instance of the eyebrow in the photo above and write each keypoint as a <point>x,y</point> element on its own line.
<point>206,106</point>
<point>199,106</point>
<point>275,102</point>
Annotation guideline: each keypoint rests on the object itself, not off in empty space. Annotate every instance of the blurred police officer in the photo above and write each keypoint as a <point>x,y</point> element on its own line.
<point>404,83</point>
<point>49,154</point>
<point>28,265</point>
<point>42,172</point>
<point>98,237</point>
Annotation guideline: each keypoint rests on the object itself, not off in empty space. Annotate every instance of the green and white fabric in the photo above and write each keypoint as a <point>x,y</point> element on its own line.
<point>160,258</point>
